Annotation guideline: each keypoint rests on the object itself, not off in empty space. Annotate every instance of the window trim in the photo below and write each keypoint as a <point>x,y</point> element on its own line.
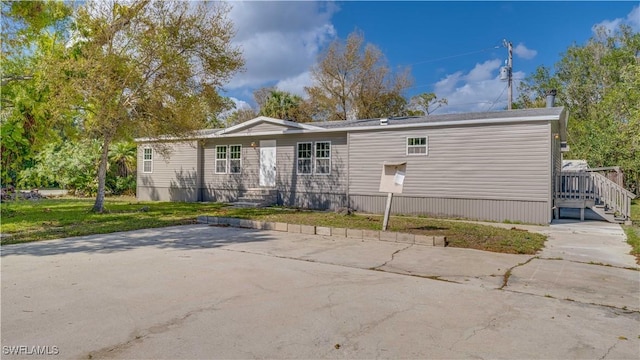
<point>315,155</point>
<point>145,160</point>
<point>426,145</point>
<point>230,159</point>
<point>298,158</point>
<point>226,156</point>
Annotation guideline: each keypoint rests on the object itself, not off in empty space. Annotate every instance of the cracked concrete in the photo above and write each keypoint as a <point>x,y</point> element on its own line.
<point>200,292</point>
<point>393,256</point>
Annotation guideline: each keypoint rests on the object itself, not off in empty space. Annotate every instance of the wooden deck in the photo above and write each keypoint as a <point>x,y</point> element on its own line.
<point>583,190</point>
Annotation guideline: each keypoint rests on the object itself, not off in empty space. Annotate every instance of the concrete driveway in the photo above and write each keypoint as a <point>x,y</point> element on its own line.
<point>203,292</point>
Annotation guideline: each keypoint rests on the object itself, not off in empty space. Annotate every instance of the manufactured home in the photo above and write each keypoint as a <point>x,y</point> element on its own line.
<point>487,166</point>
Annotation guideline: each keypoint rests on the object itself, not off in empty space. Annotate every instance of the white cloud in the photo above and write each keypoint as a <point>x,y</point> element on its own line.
<point>240,104</point>
<point>483,71</point>
<point>279,40</point>
<point>478,90</point>
<point>610,25</point>
<point>524,52</point>
<point>632,20</point>
<point>296,84</point>
<point>448,84</point>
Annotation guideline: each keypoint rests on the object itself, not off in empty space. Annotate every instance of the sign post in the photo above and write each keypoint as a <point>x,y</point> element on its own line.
<point>391,182</point>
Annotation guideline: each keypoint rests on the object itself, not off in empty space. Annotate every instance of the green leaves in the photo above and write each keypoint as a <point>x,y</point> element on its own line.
<point>282,105</point>
<point>599,83</point>
<point>33,32</point>
<point>73,166</point>
<point>141,69</point>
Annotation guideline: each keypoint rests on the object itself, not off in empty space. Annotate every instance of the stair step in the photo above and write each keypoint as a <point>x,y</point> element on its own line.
<point>256,198</point>
<point>261,191</point>
<point>248,204</point>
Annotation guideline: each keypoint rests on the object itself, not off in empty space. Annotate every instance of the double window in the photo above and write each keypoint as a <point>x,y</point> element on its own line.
<point>147,160</point>
<point>314,158</point>
<point>228,159</point>
<point>417,146</point>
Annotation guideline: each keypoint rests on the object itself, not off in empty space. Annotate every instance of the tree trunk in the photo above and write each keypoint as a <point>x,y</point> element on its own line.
<point>98,207</point>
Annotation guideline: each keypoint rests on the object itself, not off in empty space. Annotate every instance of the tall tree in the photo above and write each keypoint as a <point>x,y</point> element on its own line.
<point>262,94</point>
<point>352,80</point>
<point>123,158</point>
<point>282,105</point>
<point>239,116</point>
<point>144,68</point>
<point>599,84</point>
<point>426,104</point>
<point>31,33</point>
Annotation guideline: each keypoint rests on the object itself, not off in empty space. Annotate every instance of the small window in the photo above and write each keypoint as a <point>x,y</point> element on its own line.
<point>323,157</point>
<point>304,158</point>
<point>147,160</point>
<point>221,159</point>
<point>417,146</point>
<point>235,159</point>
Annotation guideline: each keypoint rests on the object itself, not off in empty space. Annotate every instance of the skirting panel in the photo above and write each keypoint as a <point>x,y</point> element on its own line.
<point>534,212</point>
<point>312,200</point>
<point>144,193</point>
<point>220,195</point>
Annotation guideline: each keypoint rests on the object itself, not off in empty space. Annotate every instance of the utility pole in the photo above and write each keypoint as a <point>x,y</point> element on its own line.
<point>509,47</point>
<point>506,73</point>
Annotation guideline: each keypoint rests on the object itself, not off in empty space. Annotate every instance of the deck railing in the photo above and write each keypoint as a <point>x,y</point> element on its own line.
<point>595,188</point>
<point>614,196</point>
<point>574,186</point>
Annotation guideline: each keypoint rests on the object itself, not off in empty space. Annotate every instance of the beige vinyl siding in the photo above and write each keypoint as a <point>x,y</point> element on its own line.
<point>173,178</point>
<point>488,172</point>
<point>506,161</point>
<point>316,191</point>
<point>228,187</point>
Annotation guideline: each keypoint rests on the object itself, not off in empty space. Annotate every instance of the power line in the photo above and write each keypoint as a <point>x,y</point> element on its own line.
<point>454,56</point>
<point>496,100</point>
<point>466,82</point>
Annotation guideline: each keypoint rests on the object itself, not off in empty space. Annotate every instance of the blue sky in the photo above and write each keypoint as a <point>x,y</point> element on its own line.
<point>453,48</point>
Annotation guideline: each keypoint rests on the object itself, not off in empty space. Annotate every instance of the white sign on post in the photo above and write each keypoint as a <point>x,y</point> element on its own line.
<point>391,182</point>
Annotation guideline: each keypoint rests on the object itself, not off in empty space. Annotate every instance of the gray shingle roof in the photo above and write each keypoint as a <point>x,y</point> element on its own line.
<point>555,111</point>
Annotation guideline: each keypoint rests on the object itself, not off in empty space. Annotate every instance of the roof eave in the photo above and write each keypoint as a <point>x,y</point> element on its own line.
<point>305,129</point>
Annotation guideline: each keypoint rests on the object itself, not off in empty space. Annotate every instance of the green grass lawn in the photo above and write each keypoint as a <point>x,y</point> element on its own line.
<point>29,220</point>
<point>459,234</point>
<point>64,217</point>
<point>633,231</point>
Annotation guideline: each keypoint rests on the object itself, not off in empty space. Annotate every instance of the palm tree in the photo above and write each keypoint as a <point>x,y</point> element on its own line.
<point>281,105</point>
<point>124,156</point>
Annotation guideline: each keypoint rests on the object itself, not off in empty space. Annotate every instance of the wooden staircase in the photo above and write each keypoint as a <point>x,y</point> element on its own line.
<point>582,190</point>
<point>257,197</point>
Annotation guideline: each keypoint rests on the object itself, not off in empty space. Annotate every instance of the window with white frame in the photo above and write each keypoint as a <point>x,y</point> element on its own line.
<point>147,160</point>
<point>305,153</point>
<point>417,145</point>
<point>221,159</point>
<point>314,158</point>
<point>235,159</point>
<point>323,157</point>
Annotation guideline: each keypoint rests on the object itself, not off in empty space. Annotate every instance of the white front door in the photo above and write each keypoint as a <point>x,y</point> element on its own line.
<point>268,163</point>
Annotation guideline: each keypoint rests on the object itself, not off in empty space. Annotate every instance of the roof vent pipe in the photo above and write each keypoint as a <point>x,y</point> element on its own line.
<point>551,98</point>
<point>384,121</point>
